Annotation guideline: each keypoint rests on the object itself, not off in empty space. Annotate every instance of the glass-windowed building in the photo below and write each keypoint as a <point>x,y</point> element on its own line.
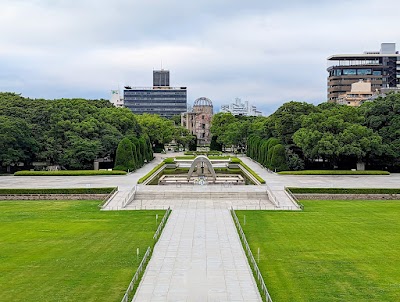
<point>380,68</point>
<point>160,99</point>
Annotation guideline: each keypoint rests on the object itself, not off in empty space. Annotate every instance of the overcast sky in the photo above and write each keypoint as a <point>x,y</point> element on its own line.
<point>265,52</point>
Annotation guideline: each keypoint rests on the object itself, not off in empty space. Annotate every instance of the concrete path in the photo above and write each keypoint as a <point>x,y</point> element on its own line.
<point>199,257</point>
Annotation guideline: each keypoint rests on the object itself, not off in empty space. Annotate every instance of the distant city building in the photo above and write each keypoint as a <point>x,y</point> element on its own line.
<point>160,99</point>
<point>161,77</point>
<point>116,98</point>
<point>359,93</point>
<point>198,120</point>
<point>380,68</point>
<point>239,108</point>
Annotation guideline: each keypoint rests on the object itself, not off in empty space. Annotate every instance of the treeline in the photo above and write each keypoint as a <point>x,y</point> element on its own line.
<point>324,136</point>
<point>73,133</point>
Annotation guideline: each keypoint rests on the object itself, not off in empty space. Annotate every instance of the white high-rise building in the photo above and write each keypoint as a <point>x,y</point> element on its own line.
<point>239,108</point>
<point>116,98</point>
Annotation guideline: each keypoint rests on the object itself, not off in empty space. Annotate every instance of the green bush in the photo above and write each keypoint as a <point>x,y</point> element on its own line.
<point>56,191</point>
<point>343,191</point>
<point>278,159</point>
<point>124,155</point>
<point>69,173</point>
<point>333,172</point>
<point>169,160</point>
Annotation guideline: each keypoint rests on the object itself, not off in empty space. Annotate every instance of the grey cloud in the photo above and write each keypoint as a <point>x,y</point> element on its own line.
<point>266,52</point>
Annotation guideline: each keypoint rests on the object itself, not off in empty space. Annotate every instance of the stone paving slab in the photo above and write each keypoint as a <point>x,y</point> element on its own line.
<point>199,257</point>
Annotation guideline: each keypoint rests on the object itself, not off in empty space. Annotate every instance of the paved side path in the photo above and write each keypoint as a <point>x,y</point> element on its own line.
<point>199,257</point>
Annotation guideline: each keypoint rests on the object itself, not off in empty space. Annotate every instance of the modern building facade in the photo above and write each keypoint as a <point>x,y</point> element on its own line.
<point>360,92</point>
<point>160,99</point>
<point>239,108</point>
<point>380,68</point>
<point>198,121</point>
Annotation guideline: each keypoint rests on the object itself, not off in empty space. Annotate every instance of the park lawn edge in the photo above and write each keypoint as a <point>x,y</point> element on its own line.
<point>144,178</point>
<point>236,160</point>
<point>344,190</point>
<point>41,191</point>
<point>69,173</point>
<point>334,172</point>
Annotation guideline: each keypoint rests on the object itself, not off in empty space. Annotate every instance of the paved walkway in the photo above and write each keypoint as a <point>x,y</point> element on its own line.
<point>199,257</point>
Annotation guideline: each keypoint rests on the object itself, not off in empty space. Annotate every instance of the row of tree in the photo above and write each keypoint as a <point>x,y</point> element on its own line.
<point>74,132</point>
<point>328,135</point>
<point>132,153</point>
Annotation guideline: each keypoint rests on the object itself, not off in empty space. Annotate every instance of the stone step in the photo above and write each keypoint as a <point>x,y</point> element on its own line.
<point>200,195</point>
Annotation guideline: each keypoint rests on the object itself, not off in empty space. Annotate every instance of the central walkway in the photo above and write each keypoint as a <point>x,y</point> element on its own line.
<point>199,257</point>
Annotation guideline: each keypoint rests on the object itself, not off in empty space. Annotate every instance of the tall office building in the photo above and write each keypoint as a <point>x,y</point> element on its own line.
<point>161,77</point>
<point>380,68</point>
<point>160,99</point>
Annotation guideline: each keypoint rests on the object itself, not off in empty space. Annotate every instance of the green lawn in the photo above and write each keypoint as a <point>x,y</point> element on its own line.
<point>69,250</point>
<point>331,251</point>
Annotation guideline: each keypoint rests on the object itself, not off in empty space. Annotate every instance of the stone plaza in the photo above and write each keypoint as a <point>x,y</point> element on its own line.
<point>199,256</point>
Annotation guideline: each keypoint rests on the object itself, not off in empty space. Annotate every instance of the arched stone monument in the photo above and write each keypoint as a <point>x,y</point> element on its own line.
<point>202,161</point>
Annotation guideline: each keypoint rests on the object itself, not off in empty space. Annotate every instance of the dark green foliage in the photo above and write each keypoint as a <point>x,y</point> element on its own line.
<point>278,158</point>
<point>67,132</point>
<point>57,191</point>
<point>193,143</point>
<point>214,145</point>
<point>294,162</point>
<point>124,157</point>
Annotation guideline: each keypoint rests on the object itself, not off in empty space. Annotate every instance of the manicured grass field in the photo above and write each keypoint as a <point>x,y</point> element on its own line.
<point>69,250</point>
<point>332,251</point>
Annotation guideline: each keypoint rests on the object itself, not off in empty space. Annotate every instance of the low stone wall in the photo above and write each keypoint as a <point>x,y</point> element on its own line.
<point>54,197</point>
<point>348,196</point>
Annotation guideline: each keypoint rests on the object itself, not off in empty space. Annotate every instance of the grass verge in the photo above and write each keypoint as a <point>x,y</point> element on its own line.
<point>69,250</point>
<point>69,173</point>
<point>343,191</point>
<point>56,191</point>
<point>141,180</point>
<point>331,251</point>
<point>333,172</point>
<point>236,160</point>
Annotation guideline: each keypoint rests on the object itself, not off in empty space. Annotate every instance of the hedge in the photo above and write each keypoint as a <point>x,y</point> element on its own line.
<point>141,180</point>
<point>343,191</point>
<point>56,191</point>
<point>169,160</point>
<point>69,173</point>
<point>333,172</point>
<point>236,160</point>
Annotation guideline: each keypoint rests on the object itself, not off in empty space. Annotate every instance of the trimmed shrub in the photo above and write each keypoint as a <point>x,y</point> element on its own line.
<point>124,155</point>
<point>278,159</point>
